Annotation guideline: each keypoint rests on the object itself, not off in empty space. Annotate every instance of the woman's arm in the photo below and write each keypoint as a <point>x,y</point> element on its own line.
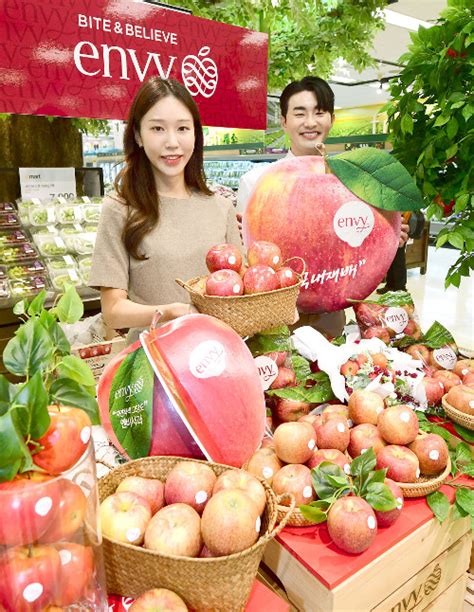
<point>119,312</point>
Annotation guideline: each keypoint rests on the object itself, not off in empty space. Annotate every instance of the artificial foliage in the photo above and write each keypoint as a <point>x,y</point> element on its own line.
<point>431,125</point>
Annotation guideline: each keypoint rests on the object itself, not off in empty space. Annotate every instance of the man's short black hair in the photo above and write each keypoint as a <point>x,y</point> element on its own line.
<point>324,94</point>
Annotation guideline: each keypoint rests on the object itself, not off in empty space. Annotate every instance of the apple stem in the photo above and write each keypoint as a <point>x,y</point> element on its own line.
<point>30,550</point>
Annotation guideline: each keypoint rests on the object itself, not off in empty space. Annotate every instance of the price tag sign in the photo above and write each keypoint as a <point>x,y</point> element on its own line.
<point>47,183</point>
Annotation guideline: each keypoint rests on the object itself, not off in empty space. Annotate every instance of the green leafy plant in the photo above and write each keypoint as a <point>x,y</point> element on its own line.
<point>462,464</point>
<point>330,483</point>
<point>431,125</point>
<point>39,353</point>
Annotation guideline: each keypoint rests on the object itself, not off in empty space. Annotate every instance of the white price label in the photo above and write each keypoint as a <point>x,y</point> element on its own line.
<point>47,183</point>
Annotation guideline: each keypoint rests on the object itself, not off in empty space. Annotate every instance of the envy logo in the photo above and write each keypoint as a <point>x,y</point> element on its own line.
<point>267,370</point>
<point>353,222</point>
<point>200,73</point>
<point>207,359</point>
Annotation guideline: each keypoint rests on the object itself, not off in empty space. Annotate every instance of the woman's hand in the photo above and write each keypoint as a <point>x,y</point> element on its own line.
<point>403,234</point>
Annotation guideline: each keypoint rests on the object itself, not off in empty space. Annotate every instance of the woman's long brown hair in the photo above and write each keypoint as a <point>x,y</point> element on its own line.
<point>135,183</point>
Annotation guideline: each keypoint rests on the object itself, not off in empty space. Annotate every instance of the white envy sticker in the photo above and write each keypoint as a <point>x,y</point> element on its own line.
<point>267,370</point>
<point>207,359</point>
<point>445,357</point>
<point>353,222</point>
<point>397,319</point>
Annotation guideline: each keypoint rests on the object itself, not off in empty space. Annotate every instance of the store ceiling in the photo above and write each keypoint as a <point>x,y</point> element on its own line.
<point>389,45</point>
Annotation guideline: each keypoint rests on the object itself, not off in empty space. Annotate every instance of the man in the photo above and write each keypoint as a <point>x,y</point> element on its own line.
<point>307,115</point>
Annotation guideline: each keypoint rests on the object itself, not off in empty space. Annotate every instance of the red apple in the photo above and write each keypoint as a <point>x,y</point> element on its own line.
<point>286,377</point>
<point>464,366</point>
<point>401,463</point>
<point>334,434</point>
<point>432,452</point>
<point>75,574</point>
<point>363,437</point>
<point>294,479</point>
<point>420,352</point>
<point>29,577</point>
<point>260,278</point>
<point>150,489</point>
<point>294,442</point>
<point>460,397</point>
<point>287,410</point>
<point>377,332</point>
<point>332,455</point>
<point>379,359</point>
<point>467,379</point>
<point>223,257</point>
<point>264,464</point>
<point>230,522</point>
<point>287,277</point>
<point>190,482</point>
<point>335,411</point>
<point>365,407</point>
<point>448,378</point>
<point>65,440</point>
<point>242,480</point>
<point>157,600</point>
<point>387,518</point>
<point>316,420</point>
<point>27,509</point>
<point>225,283</point>
<point>434,389</point>
<point>124,517</point>
<point>175,530</point>
<point>398,424</point>
<point>352,525</point>
<point>278,357</point>
<point>350,368</point>
<point>266,253</point>
<point>369,314</point>
<point>412,329</point>
<point>70,515</point>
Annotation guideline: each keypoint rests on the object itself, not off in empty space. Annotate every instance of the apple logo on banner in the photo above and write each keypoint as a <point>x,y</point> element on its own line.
<point>207,359</point>
<point>200,73</point>
<point>353,222</point>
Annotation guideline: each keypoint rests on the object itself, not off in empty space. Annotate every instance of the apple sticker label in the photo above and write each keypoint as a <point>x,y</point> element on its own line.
<point>200,497</point>
<point>232,259</point>
<point>207,359</point>
<point>341,428</point>
<point>399,501</point>
<point>43,506</point>
<point>32,592</point>
<point>236,288</point>
<point>397,319</point>
<point>267,370</point>
<point>353,222</point>
<point>276,259</point>
<point>85,434</point>
<point>471,404</point>
<point>405,417</point>
<point>267,472</point>
<point>65,556</point>
<point>307,492</point>
<point>363,450</point>
<point>350,422</point>
<point>371,522</point>
<point>258,524</point>
<point>133,534</point>
<point>418,472</point>
<point>445,357</point>
<point>465,371</point>
<point>434,455</point>
<point>311,444</point>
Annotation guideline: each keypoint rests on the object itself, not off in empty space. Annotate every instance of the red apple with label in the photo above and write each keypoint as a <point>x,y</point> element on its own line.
<point>434,389</point>
<point>464,366</point>
<point>260,278</point>
<point>365,407</point>
<point>224,283</point>
<point>190,482</point>
<point>398,424</point>
<point>447,378</point>
<point>432,452</point>
<point>70,514</point>
<point>420,352</point>
<point>287,410</point>
<point>223,257</point>
<point>175,530</point>
<point>266,253</point>
<point>334,434</point>
<point>242,480</point>
<point>264,464</point>
<point>350,368</point>
<point>150,489</point>
<point>363,437</point>
<point>352,525</point>
<point>230,522</point>
<point>27,508</point>
<point>329,454</point>
<point>294,442</point>
<point>75,574</point>
<point>335,411</point>
<point>29,577</point>
<point>388,517</point>
<point>286,377</point>
<point>296,480</point>
<point>461,397</point>
<point>402,464</point>
<point>124,517</point>
<point>65,440</point>
<point>467,379</point>
<point>159,600</point>
<point>287,277</point>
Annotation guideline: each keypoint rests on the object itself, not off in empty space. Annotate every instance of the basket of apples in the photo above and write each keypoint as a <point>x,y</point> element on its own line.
<point>49,535</point>
<point>194,527</point>
<point>249,298</point>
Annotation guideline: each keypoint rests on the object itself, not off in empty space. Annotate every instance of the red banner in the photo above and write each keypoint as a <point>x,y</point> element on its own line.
<point>87,58</point>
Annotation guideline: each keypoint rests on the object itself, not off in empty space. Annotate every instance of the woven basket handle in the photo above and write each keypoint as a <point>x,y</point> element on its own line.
<point>276,530</point>
<point>184,285</point>
<point>297,259</point>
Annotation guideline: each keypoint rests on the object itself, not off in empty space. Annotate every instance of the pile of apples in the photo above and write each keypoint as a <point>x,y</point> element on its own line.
<point>229,276</point>
<point>384,322</point>
<point>42,517</point>
<point>193,513</point>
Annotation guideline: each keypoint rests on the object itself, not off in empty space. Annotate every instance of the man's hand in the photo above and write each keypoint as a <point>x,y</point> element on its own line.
<point>403,235</point>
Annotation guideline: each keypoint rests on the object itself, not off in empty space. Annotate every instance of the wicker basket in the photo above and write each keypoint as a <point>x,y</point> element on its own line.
<point>461,418</point>
<point>246,314</point>
<point>424,485</point>
<point>221,583</point>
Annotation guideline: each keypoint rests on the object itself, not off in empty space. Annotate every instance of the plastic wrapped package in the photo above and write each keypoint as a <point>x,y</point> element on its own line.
<point>68,213</point>
<point>69,276</point>
<point>42,215</point>
<point>30,268</point>
<point>91,213</point>
<point>18,253</point>
<point>9,220</point>
<point>50,245</point>
<point>16,236</point>
<point>64,262</point>
<point>30,285</point>
<point>4,289</point>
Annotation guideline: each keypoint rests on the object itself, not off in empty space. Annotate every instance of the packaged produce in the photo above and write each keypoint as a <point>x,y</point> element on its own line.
<point>85,265</point>
<point>70,276</point>
<point>69,213</point>
<point>9,220</point>
<point>50,245</point>
<point>43,229</point>
<point>91,213</point>
<point>30,268</point>
<point>18,253</point>
<point>42,215</point>
<point>6,207</point>
<point>84,243</point>
<point>3,272</point>
<point>4,289</point>
<point>8,237</point>
<point>61,263</point>
<point>31,285</point>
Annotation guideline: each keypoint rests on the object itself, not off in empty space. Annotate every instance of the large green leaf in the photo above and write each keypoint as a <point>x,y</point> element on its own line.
<point>378,178</point>
<point>74,367</point>
<point>58,337</point>
<point>12,447</point>
<point>30,350</point>
<point>30,408</point>
<point>69,308</point>
<point>68,392</point>
<point>439,504</point>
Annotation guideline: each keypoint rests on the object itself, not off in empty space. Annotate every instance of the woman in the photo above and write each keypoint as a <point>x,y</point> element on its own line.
<point>163,219</point>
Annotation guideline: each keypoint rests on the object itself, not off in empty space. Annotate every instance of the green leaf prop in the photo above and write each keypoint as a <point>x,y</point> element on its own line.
<point>317,394</point>
<point>12,447</point>
<point>466,434</point>
<point>327,479</point>
<point>465,499</point>
<point>380,497</point>
<point>37,304</point>
<point>269,341</point>
<point>69,308</point>
<point>61,344</point>
<point>301,367</point>
<point>463,453</point>
<point>439,504</point>
<point>437,336</point>
<point>31,402</point>
<point>313,513</point>
<point>364,463</point>
<point>131,404</point>
<point>30,350</point>
<point>68,392</point>
<point>378,178</point>
<point>74,367</point>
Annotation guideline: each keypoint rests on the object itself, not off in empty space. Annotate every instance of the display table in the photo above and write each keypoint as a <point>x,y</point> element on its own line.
<point>412,564</point>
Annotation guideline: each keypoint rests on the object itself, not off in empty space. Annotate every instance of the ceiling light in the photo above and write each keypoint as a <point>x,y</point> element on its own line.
<point>404,21</point>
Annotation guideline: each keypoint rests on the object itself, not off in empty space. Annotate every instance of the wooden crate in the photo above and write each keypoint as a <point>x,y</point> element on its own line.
<point>410,566</point>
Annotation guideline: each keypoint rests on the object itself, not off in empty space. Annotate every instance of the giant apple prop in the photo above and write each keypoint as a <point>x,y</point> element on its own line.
<point>191,390</point>
<point>347,245</point>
